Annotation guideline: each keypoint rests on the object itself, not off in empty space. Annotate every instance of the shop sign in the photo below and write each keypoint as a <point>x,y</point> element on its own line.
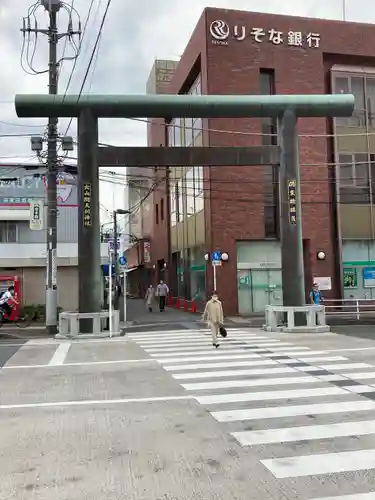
<point>369,277</point>
<point>292,201</point>
<point>350,277</point>
<point>15,201</point>
<point>87,205</point>
<point>221,32</point>
<point>146,252</point>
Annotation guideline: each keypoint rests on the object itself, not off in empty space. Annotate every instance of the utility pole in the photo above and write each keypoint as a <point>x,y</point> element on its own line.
<point>52,7</point>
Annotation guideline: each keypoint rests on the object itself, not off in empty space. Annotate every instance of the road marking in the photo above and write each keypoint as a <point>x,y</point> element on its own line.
<point>202,341</point>
<point>270,395</point>
<point>362,376</point>
<point>96,402</point>
<point>357,496</point>
<point>209,358</point>
<point>347,366</point>
<point>295,354</point>
<point>305,433</point>
<point>353,349</point>
<point>230,364</point>
<point>83,363</point>
<point>60,354</point>
<point>203,386</point>
<point>319,358</point>
<point>360,389</point>
<point>234,373</point>
<point>195,353</point>
<point>293,411</point>
<point>323,463</point>
<point>207,346</point>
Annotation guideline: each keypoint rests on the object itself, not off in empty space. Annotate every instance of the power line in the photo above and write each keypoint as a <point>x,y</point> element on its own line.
<point>92,56</point>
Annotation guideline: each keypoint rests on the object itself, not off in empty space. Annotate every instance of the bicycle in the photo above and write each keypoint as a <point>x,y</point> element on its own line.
<point>21,322</point>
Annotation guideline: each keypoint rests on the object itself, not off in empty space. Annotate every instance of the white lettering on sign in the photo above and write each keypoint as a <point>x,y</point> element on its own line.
<point>221,32</point>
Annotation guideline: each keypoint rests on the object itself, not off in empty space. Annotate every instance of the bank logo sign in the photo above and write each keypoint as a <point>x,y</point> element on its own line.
<point>221,32</point>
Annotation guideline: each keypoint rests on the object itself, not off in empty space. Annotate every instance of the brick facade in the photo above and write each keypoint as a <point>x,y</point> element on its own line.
<point>234,196</point>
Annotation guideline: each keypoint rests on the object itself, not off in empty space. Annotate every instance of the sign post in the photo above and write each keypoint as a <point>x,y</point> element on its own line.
<point>216,261</point>
<point>110,305</point>
<point>36,215</point>
<point>123,263</point>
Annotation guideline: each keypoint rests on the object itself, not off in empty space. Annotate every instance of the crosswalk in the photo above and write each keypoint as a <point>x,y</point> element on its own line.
<point>304,412</point>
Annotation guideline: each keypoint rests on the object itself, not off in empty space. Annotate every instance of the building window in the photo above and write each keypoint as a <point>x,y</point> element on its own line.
<point>173,205</point>
<point>180,201</point>
<point>267,86</point>
<point>162,209</point>
<point>198,188</point>
<point>171,132</point>
<point>8,232</point>
<point>353,176</point>
<point>157,214</point>
<point>370,101</point>
<point>190,195</point>
<point>352,85</point>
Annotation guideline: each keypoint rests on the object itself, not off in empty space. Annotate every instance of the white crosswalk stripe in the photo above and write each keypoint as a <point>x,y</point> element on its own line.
<point>288,393</point>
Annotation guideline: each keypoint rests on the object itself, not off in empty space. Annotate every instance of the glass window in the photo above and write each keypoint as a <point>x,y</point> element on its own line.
<point>197,127</point>
<point>188,131</point>
<point>173,205</point>
<point>358,90</point>
<point>361,170</point>
<point>267,81</point>
<point>177,132</point>
<point>180,201</point>
<point>370,93</point>
<point>8,232</point>
<point>346,172</point>
<point>171,134</point>
<point>190,204</point>
<point>198,180</point>
<point>341,85</point>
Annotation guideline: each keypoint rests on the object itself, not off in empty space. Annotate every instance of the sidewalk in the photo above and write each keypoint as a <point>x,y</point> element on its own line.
<point>138,314</point>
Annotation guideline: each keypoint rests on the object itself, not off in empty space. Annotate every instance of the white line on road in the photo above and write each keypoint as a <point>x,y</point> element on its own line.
<point>270,395</point>
<point>305,433</point>
<point>234,373</point>
<point>357,496</point>
<point>83,363</point>
<point>96,402</point>
<point>322,463</point>
<point>258,382</point>
<point>60,354</point>
<point>230,364</point>
<point>293,411</point>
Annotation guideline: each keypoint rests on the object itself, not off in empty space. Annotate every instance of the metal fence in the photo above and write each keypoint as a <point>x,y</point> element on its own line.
<point>349,308</point>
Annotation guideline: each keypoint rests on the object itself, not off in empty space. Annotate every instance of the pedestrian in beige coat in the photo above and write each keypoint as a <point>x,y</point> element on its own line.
<point>214,316</point>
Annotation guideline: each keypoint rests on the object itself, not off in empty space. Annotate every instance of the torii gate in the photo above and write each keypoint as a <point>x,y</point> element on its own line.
<point>286,108</point>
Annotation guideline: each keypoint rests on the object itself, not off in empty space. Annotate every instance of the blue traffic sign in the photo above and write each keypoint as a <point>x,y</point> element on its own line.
<point>216,256</point>
<point>122,260</point>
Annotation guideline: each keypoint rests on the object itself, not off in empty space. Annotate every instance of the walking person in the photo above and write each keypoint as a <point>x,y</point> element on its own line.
<point>162,291</point>
<point>214,316</point>
<point>149,298</point>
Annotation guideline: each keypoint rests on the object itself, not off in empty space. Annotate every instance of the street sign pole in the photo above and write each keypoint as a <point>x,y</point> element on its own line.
<point>214,271</point>
<point>110,293</point>
<point>125,293</point>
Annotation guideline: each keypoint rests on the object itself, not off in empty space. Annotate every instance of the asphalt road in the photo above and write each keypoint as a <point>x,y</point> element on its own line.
<point>162,415</point>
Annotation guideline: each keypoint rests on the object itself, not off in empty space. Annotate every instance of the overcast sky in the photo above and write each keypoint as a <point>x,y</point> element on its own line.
<point>135,33</point>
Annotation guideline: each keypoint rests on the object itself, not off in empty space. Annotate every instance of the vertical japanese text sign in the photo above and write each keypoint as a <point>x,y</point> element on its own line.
<point>87,205</point>
<point>292,202</point>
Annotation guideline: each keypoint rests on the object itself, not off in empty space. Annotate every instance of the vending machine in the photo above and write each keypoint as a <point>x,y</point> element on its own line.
<point>5,283</point>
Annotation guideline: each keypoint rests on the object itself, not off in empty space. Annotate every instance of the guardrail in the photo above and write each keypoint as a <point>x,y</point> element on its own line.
<point>351,308</point>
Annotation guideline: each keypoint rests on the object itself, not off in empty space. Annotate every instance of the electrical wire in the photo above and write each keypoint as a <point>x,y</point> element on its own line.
<point>91,57</point>
<point>79,48</point>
